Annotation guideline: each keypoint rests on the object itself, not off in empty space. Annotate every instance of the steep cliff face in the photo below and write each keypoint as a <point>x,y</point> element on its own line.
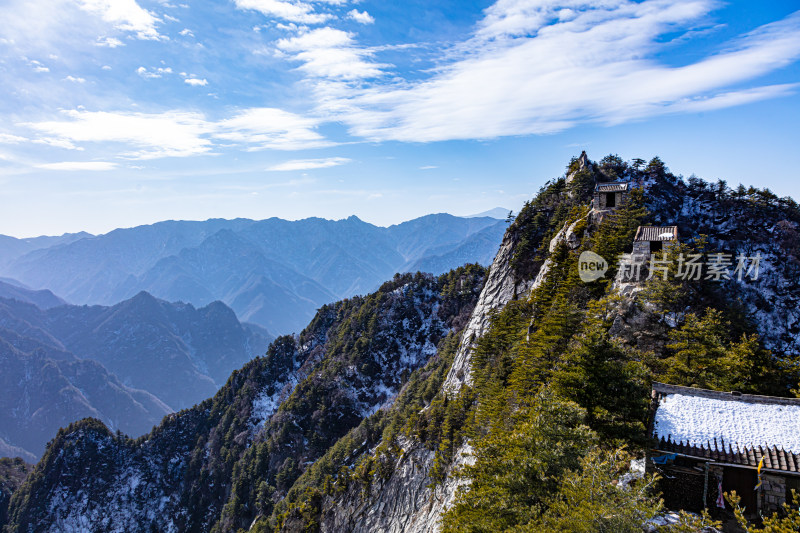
<point>405,503</point>
<point>501,286</point>
<point>411,501</point>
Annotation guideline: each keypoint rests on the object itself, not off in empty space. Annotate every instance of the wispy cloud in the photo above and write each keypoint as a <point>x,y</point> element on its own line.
<point>154,73</point>
<point>6,138</point>
<point>301,12</point>
<point>542,66</point>
<point>178,133</point>
<point>309,164</point>
<point>270,128</point>
<point>79,165</point>
<point>37,66</point>
<point>174,134</point>
<point>109,42</point>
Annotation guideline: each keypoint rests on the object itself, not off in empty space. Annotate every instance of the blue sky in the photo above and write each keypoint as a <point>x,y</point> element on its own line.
<point>123,112</point>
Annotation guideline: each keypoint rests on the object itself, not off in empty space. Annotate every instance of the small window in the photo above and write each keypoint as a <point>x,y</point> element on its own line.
<point>656,246</point>
<point>611,199</point>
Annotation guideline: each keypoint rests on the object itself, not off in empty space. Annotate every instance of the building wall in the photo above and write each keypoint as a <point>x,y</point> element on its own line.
<point>641,247</point>
<point>600,200</point>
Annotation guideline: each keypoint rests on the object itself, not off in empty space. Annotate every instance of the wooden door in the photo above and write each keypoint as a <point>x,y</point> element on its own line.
<point>743,481</point>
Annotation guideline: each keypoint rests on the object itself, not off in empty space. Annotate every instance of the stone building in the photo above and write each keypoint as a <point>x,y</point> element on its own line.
<point>706,443</point>
<point>610,195</point>
<point>654,239</point>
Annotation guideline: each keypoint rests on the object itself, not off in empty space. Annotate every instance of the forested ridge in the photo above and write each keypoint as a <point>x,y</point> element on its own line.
<point>559,398</point>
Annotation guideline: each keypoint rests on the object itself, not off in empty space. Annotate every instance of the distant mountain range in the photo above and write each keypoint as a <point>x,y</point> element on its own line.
<point>273,272</point>
<point>499,213</point>
<point>128,365</point>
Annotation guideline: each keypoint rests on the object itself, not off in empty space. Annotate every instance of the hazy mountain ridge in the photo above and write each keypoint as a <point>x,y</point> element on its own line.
<point>180,353</point>
<point>12,248</point>
<point>127,365</point>
<point>43,299</point>
<point>44,389</point>
<point>273,272</point>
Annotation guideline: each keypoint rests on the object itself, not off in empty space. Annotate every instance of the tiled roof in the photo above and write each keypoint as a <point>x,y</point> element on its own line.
<point>728,427</point>
<point>774,458</point>
<point>612,187</point>
<point>657,233</point>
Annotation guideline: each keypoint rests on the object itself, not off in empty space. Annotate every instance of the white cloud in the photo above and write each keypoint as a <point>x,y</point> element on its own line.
<point>292,11</point>
<point>125,15</point>
<point>309,164</point>
<point>37,66</point>
<point>270,128</point>
<point>532,68</point>
<point>110,42</point>
<point>79,165</point>
<point>177,133</point>
<point>330,53</point>
<point>195,82</point>
<point>428,167</point>
<point>75,80</point>
<point>186,32</point>
<point>106,67</point>
<point>152,74</point>
<point>57,142</point>
<point>360,17</point>
<point>6,138</point>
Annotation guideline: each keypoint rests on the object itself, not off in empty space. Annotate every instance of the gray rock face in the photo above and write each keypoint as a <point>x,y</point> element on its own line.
<point>404,504</point>
<point>500,288</point>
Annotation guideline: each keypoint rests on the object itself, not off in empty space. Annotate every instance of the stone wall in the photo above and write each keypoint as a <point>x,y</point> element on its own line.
<point>641,248</point>
<point>599,201</point>
<point>772,493</point>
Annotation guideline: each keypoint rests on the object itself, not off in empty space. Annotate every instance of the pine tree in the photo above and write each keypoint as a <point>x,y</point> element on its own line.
<point>518,466</point>
<point>591,500</point>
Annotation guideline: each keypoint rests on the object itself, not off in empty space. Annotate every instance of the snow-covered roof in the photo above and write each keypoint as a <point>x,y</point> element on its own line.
<point>656,233</point>
<point>701,417</point>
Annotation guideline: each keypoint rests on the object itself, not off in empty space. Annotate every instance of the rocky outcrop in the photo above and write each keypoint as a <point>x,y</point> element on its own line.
<point>583,162</point>
<point>643,329</point>
<point>406,503</point>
